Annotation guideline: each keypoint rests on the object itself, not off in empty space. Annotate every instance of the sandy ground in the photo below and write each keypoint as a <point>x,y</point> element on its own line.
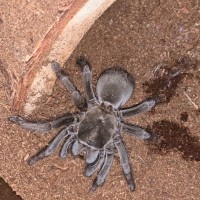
<point>158,44</point>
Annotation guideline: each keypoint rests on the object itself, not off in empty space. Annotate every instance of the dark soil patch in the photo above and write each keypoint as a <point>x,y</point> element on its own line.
<point>170,136</point>
<point>6,192</point>
<point>167,76</point>
<point>184,117</point>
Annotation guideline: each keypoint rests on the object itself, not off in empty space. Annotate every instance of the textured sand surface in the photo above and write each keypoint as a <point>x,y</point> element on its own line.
<point>137,36</point>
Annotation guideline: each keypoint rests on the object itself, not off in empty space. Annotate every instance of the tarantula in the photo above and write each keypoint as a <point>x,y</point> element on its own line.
<point>96,129</point>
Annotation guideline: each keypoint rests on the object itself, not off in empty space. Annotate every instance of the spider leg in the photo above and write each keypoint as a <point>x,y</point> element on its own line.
<point>65,80</point>
<point>77,148</point>
<point>43,126</point>
<point>144,106</point>
<point>92,155</point>
<point>125,163</point>
<point>66,146</point>
<point>87,76</point>
<point>136,131</point>
<point>92,167</point>
<point>103,173</point>
<point>47,151</point>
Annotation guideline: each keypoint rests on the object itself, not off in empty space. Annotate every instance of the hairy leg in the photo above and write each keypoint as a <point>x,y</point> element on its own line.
<point>103,173</point>
<point>136,131</point>
<point>43,126</point>
<point>67,144</point>
<point>47,151</point>
<point>87,76</point>
<point>93,167</point>
<point>91,155</point>
<point>144,106</point>
<point>65,80</point>
<point>125,163</point>
<point>77,148</point>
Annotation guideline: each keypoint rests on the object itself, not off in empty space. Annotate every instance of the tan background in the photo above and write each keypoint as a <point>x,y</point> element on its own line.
<point>136,35</point>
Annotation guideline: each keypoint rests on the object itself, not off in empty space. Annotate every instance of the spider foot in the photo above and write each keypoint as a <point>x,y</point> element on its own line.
<point>82,61</point>
<point>93,187</point>
<point>55,67</point>
<point>132,186</point>
<point>32,160</point>
<point>16,119</point>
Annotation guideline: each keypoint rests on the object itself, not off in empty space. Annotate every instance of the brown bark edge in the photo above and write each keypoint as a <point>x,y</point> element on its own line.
<point>36,59</point>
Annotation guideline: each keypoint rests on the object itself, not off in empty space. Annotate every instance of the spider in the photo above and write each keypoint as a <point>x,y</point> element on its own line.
<point>96,129</point>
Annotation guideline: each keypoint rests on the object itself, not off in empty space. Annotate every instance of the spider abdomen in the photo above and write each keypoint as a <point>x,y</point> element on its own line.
<point>115,85</point>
